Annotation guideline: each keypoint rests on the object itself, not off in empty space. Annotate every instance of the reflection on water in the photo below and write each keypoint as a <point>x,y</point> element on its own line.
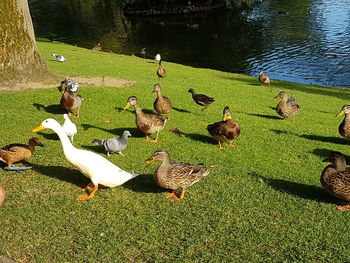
<point>306,41</point>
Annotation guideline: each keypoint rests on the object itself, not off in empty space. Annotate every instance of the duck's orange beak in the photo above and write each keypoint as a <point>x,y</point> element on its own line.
<point>149,160</point>
<point>39,128</point>
<point>127,106</point>
<point>340,114</point>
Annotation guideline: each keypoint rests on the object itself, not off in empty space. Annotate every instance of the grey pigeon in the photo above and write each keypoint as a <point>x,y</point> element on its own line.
<point>59,57</point>
<point>70,85</point>
<point>114,144</point>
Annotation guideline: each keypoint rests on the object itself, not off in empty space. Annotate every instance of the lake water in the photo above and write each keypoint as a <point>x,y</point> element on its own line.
<point>305,41</point>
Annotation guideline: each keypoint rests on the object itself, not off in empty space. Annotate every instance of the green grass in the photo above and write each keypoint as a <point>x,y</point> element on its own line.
<point>262,201</point>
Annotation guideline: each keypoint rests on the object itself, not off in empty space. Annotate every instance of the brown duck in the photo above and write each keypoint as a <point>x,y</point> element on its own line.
<point>147,123</point>
<point>70,100</point>
<point>174,176</point>
<point>17,152</point>
<point>264,79</point>
<point>344,127</point>
<point>161,73</point>
<point>2,195</point>
<point>162,105</point>
<point>287,108</point>
<point>201,99</point>
<point>335,178</point>
<point>226,130</point>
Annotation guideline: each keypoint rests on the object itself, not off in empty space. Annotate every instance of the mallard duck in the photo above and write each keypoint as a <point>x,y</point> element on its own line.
<point>161,73</point>
<point>98,169</point>
<point>344,127</point>
<point>226,130</point>
<point>174,176</point>
<point>335,178</point>
<point>162,105</point>
<point>287,108</point>
<point>2,195</point>
<point>264,79</point>
<point>69,127</point>
<point>147,123</point>
<point>70,100</point>
<point>201,99</point>
<point>17,152</point>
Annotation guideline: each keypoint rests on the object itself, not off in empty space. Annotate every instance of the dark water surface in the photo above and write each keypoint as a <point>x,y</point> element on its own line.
<point>306,41</point>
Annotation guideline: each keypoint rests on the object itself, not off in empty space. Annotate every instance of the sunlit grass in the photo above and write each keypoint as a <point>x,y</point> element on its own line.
<point>262,201</point>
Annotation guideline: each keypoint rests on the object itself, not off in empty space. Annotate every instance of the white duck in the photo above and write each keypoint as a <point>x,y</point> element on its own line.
<point>158,58</point>
<point>69,127</point>
<point>97,168</point>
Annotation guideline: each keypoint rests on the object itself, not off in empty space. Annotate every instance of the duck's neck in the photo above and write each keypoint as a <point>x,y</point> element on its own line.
<point>138,109</point>
<point>347,117</point>
<point>162,170</point>
<point>66,144</point>
<point>159,94</point>
<point>31,147</point>
<point>340,164</point>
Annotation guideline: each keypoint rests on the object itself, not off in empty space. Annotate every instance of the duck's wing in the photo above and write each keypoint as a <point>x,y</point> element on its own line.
<point>14,147</point>
<point>185,174</point>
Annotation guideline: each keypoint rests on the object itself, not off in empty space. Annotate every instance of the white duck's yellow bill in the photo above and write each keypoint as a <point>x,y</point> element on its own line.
<point>39,128</point>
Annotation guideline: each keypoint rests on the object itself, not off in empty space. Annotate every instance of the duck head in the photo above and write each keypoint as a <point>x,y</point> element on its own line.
<point>35,142</point>
<point>156,88</point>
<point>338,161</point>
<point>226,113</point>
<point>282,95</point>
<point>47,124</point>
<point>159,155</point>
<point>132,101</point>
<point>344,110</point>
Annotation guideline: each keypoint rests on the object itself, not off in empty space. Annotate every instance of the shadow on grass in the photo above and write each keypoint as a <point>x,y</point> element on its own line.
<point>53,109</point>
<point>63,173</point>
<point>117,131</point>
<point>49,136</point>
<point>328,139</point>
<point>196,137</point>
<point>143,183</point>
<point>309,192</point>
<point>94,148</point>
<point>265,116</point>
<point>181,110</point>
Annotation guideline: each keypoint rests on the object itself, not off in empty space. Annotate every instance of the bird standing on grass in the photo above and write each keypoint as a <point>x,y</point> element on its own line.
<point>70,99</point>
<point>162,104</point>
<point>335,178</point>
<point>59,57</point>
<point>344,127</point>
<point>114,145</point>
<point>226,130</point>
<point>157,58</point>
<point>147,123</point>
<point>69,127</point>
<point>97,168</point>
<point>287,108</point>
<point>264,79</point>
<point>161,73</point>
<point>17,152</point>
<point>201,99</point>
<point>175,175</point>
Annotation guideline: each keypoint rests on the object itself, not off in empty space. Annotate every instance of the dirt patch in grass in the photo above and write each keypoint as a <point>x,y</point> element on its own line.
<point>98,81</point>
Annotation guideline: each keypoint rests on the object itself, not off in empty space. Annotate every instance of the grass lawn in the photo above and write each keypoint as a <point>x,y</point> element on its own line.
<point>262,201</point>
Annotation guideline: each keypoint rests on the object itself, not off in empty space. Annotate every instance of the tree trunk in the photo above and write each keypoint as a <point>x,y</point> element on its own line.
<point>20,60</point>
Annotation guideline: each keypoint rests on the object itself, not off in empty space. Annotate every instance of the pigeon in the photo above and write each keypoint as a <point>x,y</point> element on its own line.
<point>114,144</point>
<point>70,84</point>
<point>59,57</point>
<point>158,58</point>
<point>69,127</point>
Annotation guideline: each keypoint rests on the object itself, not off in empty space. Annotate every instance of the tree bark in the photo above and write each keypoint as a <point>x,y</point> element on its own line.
<point>20,59</point>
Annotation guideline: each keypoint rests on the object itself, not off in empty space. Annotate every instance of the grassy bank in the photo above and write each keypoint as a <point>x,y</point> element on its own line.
<point>262,201</point>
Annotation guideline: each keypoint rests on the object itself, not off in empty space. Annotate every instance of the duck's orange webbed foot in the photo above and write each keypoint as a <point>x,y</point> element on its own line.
<point>172,196</point>
<point>345,207</point>
<point>87,195</point>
